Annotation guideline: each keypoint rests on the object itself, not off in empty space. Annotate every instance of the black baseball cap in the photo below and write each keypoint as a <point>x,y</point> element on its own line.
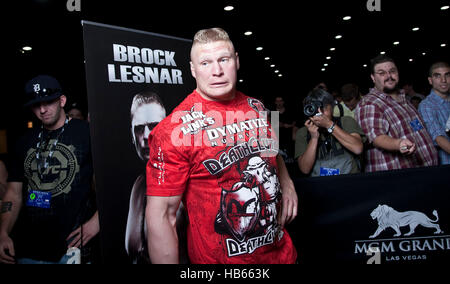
<point>42,88</point>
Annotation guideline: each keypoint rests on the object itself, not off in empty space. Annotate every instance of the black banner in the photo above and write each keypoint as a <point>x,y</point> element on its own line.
<point>134,79</point>
<point>386,217</point>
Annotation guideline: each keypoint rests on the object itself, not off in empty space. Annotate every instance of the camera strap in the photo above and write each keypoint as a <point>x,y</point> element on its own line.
<point>327,145</point>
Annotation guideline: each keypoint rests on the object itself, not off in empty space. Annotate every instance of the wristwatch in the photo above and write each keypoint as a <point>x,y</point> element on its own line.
<point>331,128</point>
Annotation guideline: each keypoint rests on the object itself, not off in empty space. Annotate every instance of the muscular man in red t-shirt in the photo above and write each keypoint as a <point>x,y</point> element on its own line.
<point>217,153</point>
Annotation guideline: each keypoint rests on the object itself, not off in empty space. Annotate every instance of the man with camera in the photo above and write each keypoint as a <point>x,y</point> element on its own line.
<point>326,145</point>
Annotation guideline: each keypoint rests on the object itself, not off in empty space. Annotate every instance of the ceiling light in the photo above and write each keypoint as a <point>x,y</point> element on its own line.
<point>280,75</point>
<point>228,8</point>
<point>338,37</point>
<point>443,45</point>
<point>273,65</point>
<point>323,69</point>
<point>328,57</point>
<point>240,80</point>
<point>248,33</point>
<point>411,60</point>
<point>277,71</point>
<point>346,18</point>
<point>396,42</point>
<point>364,65</point>
<point>446,7</point>
<point>259,48</point>
<point>424,53</point>
<point>383,52</point>
<point>332,49</point>
<point>267,58</point>
<point>27,48</point>
<point>325,64</point>
<point>415,29</point>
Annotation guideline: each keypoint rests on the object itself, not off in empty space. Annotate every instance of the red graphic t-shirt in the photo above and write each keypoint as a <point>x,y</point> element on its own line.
<point>221,156</point>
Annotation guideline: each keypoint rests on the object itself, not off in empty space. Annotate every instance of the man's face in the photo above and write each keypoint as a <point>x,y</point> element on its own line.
<point>279,102</point>
<point>214,66</point>
<point>440,80</point>
<point>75,113</point>
<point>386,77</point>
<point>49,113</point>
<point>351,104</point>
<point>145,118</point>
<point>327,111</point>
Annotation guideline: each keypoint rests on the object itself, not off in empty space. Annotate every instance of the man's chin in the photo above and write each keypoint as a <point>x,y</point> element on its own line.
<point>220,94</point>
<point>48,123</point>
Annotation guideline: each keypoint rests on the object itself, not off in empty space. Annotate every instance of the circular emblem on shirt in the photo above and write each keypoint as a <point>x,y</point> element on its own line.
<point>57,178</point>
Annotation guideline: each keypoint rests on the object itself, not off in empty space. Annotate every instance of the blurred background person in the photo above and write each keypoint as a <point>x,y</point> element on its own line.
<point>74,111</point>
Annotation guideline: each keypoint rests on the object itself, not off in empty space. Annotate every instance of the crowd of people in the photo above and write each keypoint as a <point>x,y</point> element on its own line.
<point>381,130</point>
<point>387,129</point>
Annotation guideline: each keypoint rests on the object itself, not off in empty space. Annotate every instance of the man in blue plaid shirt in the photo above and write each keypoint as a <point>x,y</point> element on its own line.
<point>435,109</point>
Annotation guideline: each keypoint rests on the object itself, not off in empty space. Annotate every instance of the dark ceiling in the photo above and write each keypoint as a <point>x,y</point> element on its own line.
<point>296,35</point>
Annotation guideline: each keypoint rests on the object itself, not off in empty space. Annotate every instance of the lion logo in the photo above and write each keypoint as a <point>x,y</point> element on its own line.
<point>388,217</point>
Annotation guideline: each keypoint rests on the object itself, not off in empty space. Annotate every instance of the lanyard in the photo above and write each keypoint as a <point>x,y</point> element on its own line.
<point>42,163</point>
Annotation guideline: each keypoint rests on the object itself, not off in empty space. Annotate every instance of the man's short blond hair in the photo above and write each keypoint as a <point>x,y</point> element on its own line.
<point>210,35</point>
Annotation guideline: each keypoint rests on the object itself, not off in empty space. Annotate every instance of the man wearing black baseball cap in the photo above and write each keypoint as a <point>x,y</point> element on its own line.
<point>53,164</point>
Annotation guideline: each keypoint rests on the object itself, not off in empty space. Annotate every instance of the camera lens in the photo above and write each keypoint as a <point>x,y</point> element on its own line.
<point>310,110</point>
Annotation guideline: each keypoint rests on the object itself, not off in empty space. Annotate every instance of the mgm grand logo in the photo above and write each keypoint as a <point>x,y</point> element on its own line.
<point>404,247</point>
<point>58,176</point>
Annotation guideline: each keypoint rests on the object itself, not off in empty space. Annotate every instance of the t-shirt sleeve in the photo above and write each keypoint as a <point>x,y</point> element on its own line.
<point>372,121</point>
<point>351,126</point>
<point>168,167</point>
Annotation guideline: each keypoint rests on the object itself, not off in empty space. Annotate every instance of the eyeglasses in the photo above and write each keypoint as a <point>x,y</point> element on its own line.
<point>383,73</point>
<point>139,129</point>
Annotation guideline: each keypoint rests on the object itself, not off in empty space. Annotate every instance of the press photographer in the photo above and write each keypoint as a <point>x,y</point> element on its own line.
<point>326,145</point>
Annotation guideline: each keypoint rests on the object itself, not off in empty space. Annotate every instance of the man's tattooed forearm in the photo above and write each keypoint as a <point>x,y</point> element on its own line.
<point>6,207</point>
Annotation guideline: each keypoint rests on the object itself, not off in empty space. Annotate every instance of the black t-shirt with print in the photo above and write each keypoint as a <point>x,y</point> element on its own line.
<point>40,233</point>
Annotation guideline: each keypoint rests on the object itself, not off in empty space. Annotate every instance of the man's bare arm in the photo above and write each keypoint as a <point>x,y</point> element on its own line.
<point>289,195</point>
<point>443,143</point>
<point>11,204</point>
<point>9,212</point>
<point>160,216</point>
<point>388,143</point>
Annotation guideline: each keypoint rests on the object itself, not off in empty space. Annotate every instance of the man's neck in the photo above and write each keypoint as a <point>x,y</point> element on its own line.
<point>228,97</point>
<point>395,96</point>
<point>445,96</point>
